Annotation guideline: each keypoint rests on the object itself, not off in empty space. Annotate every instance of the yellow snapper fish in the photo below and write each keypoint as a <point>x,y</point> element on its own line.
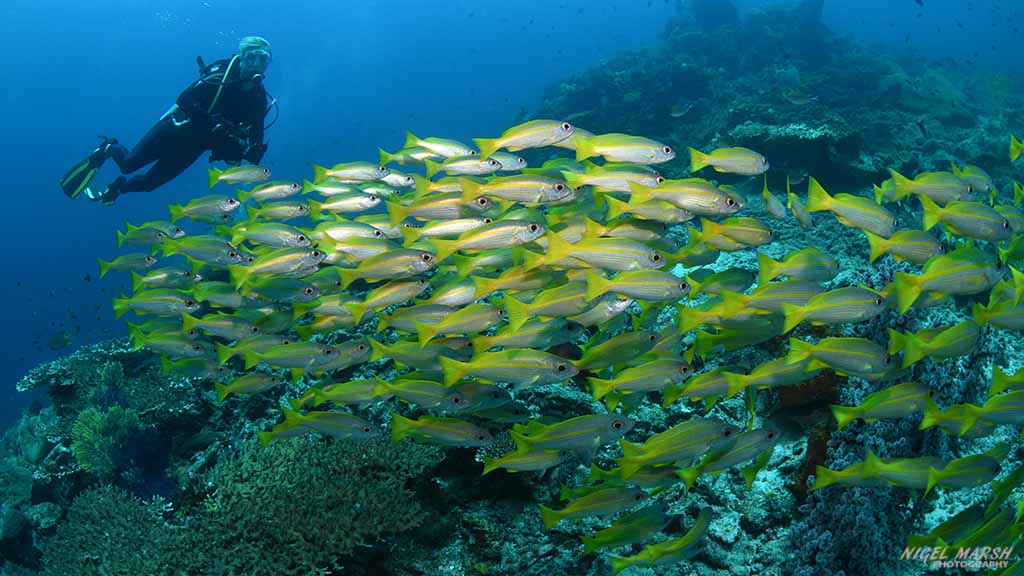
<point>623,148</point>
<point>736,160</point>
<point>531,134</point>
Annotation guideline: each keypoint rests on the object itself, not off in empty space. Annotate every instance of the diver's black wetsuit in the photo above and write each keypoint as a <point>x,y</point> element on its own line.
<point>216,113</point>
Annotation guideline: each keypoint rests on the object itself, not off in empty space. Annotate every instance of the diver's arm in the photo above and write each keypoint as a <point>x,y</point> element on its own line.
<point>256,131</point>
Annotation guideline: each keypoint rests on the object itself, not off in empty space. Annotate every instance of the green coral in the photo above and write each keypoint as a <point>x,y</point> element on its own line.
<point>97,436</point>
<point>107,532</point>
<point>300,506</point>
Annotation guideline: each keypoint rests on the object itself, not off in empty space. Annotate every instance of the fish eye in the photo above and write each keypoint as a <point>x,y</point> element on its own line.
<point>481,437</point>
<point>193,333</point>
<point>727,432</point>
<point>521,160</point>
<point>381,168</point>
<point>566,126</point>
<point>493,162</point>
<point>1006,224</point>
<point>970,188</point>
<point>561,367</point>
<point>488,220</point>
<point>232,201</point>
<point>372,198</point>
<point>286,341</point>
<point>559,187</point>
<point>456,399</point>
<point>328,351</point>
<point>683,285</point>
<point>666,150</point>
<point>685,368</point>
<point>769,233</point>
<point>366,429</point>
<point>197,347</point>
<point>427,257</point>
<point>316,254</point>
<point>887,359</point>
<point>653,337</point>
<point>771,434</point>
<point>250,259</point>
<point>303,208</point>
<point>656,257</point>
<point>639,496</point>
<point>730,202</point>
<point>377,233</point>
<point>659,179</point>
<point>255,329</point>
<point>150,259</point>
<point>190,302</point>
<point>534,227</point>
<point>501,313</point>
<point>482,201</point>
<point>618,425</point>
<point>307,290</point>
<point>301,238</point>
<point>878,301</point>
<point>361,347</point>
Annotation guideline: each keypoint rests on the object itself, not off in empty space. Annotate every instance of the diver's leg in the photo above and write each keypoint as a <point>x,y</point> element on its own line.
<point>168,166</point>
<point>163,135</point>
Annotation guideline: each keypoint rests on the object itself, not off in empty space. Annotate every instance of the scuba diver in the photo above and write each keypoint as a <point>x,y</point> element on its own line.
<point>223,112</point>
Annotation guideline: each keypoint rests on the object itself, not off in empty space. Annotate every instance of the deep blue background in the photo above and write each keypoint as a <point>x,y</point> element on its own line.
<point>350,76</point>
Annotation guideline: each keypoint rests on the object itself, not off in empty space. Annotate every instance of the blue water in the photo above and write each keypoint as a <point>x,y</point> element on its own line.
<point>350,76</point>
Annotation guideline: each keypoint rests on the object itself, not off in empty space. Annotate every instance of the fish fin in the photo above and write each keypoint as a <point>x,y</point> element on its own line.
<point>798,350</point>
<point>453,370</point>
<point>818,199</point>
<point>1016,146</point>
<point>213,176</point>
<point>971,415</point>
<point>396,213</point>
<point>316,209</point>
<point>616,207</point>
<point>265,438</point>
<point>224,352</point>
<point>308,187</point>
<point>471,189</point>
<point>914,349</point>
<point>251,359</point>
<point>517,312</point>
<point>443,248</point>
<point>767,268</point>
<point>104,266</point>
<point>584,148</point>
<point>426,332</point>
<point>120,306</point>
<point>384,156</point>
<point>932,212</point>
<point>600,387</point>
<point>1000,381</point>
<point>903,186</point>
<point>597,285</point>
<point>411,140</point>
<point>401,427</point>
<point>698,160</point>
<point>487,146</point>
<point>823,477</point>
<point>934,477</point>
<point>750,472</point>
<point>549,517</point>
<point>490,464</point>
<point>908,289</point>
<point>378,350</point>
<point>876,246</point>
<point>222,391</point>
<point>688,475</point>
<point>794,315</point>
<point>319,173</point>
<point>932,413</point>
<point>432,167</point>
<point>844,415</point>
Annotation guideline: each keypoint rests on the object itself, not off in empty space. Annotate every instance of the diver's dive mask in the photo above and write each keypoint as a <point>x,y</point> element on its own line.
<point>254,63</point>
